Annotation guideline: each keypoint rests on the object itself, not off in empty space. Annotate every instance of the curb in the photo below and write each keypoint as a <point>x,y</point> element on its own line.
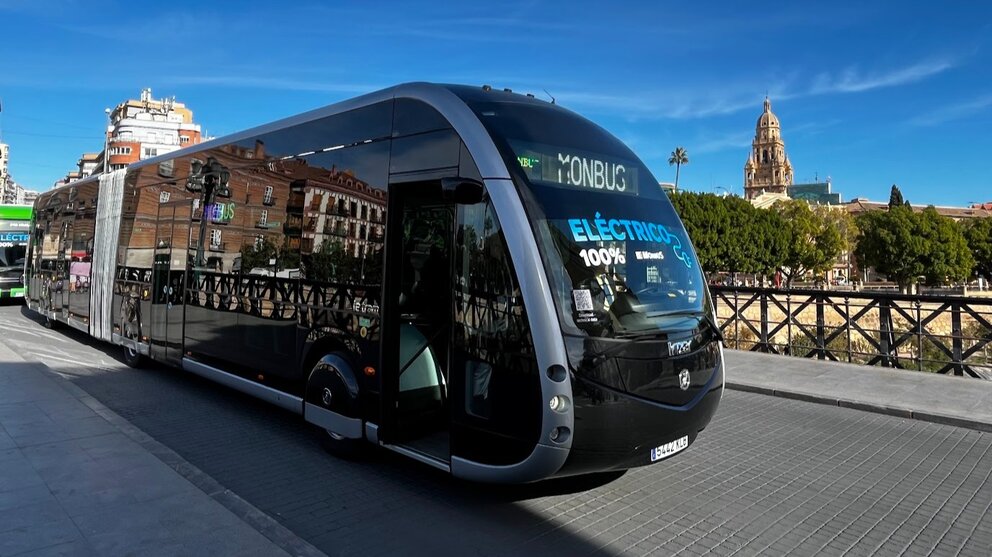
<point>248,513</point>
<point>866,406</point>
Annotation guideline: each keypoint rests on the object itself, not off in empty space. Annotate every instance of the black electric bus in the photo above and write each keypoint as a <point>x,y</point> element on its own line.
<point>480,280</point>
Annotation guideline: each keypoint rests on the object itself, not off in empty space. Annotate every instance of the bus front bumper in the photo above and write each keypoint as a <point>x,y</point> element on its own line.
<point>617,431</point>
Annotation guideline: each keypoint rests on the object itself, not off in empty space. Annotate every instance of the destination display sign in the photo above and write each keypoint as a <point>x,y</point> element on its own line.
<point>577,169</point>
<point>14,224</point>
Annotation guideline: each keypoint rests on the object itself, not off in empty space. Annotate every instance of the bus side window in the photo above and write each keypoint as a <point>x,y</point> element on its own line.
<point>413,117</point>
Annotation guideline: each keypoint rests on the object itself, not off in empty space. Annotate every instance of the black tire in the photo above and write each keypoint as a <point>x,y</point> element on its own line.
<point>132,358</point>
<point>338,445</point>
<point>342,447</point>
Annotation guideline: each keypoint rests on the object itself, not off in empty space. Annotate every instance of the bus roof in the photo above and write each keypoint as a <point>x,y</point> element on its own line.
<point>418,90</point>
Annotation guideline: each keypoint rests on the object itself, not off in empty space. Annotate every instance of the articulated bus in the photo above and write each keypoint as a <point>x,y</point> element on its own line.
<point>479,280</point>
<point>15,220</point>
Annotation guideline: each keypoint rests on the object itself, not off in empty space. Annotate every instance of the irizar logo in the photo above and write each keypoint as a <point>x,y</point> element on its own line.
<point>677,348</point>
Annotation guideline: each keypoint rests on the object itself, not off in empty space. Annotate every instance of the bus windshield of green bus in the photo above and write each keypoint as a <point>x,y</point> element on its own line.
<point>615,251</point>
<point>12,256</point>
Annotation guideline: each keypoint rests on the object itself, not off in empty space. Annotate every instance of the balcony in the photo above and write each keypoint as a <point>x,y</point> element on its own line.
<point>269,201</point>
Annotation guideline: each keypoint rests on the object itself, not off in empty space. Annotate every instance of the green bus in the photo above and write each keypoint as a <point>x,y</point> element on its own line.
<point>15,224</point>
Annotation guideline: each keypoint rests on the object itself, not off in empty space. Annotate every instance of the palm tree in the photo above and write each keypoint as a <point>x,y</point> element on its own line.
<point>678,158</point>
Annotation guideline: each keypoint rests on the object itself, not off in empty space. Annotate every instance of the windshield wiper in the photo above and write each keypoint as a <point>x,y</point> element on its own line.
<point>630,338</point>
<point>714,327</point>
<point>706,316</point>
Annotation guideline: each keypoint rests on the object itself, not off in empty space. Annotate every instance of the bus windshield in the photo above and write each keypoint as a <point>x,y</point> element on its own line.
<point>615,251</point>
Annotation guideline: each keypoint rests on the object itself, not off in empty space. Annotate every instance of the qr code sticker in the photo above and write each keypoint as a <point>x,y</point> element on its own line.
<point>583,300</point>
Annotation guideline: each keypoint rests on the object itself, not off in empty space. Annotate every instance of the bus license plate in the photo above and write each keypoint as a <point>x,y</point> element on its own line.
<point>670,448</point>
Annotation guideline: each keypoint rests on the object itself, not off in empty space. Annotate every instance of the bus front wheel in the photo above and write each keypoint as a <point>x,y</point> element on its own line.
<point>132,358</point>
<point>342,447</point>
<point>333,385</point>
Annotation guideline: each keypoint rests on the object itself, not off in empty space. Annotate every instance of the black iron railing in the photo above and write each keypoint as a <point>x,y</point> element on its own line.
<point>942,334</point>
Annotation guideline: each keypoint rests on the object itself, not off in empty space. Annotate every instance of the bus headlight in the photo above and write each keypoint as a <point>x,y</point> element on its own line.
<point>559,403</point>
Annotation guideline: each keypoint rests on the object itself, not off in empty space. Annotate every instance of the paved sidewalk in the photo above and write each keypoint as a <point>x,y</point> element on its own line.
<point>76,479</point>
<point>958,401</point>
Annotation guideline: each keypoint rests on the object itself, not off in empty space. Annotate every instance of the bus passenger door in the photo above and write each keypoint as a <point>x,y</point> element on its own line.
<point>417,320</point>
<point>172,233</point>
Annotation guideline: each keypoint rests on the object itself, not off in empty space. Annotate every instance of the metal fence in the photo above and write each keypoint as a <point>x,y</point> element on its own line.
<point>942,334</point>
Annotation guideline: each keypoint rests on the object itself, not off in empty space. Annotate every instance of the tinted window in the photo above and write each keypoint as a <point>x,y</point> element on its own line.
<point>347,128</point>
<point>493,348</point>
<point>616,253</point>
<point>411,117</point>
<point>427,151</point>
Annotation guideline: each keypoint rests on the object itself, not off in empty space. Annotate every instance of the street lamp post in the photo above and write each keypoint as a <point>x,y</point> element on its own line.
<point>106,141</point>
<point>211,180</point>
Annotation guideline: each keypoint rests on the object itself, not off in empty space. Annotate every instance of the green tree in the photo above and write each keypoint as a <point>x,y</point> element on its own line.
<point>895,197</point>
<point>947,258</point>
<point>769,239</point>
<point>978,234</point>
<point>678,158</point>
<point>813,242</point>
<point>889,243</point>
<point>258,255</point>
<point>729,234</point>
<point>328,263</point>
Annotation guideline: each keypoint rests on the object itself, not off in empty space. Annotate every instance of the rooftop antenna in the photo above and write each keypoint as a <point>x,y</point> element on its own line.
<point>550,95</point>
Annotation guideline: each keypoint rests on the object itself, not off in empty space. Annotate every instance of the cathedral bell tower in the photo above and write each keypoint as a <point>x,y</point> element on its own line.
<point>768,169</point>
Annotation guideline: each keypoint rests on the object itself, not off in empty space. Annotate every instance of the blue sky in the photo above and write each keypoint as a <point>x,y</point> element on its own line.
<point>869,93</point>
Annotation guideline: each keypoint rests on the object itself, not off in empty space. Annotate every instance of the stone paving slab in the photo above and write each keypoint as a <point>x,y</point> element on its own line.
<point>72,483</point>
<point>944,399</point>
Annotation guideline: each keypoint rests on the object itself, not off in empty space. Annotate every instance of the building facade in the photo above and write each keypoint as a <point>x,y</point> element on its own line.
<point>6,183</point>
<point>768,169</point>
<point>10,191</point>
<point>147,127</point>
<point>139,129</point>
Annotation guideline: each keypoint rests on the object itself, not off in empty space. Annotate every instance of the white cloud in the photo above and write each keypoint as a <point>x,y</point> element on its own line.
<point>851,80</point>
<point>953,112</point>
<point>707,100</point>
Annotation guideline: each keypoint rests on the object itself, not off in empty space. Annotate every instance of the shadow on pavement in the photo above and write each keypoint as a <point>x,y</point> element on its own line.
<point>381,503</point>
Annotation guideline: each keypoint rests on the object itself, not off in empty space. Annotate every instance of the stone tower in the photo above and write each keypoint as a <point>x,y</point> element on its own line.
<point>768,169</point>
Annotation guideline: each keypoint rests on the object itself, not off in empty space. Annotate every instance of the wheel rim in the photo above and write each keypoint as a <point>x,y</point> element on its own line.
<point>131,354</point>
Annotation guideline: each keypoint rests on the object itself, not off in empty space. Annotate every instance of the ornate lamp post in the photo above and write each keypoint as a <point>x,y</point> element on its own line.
<point>211,180</point>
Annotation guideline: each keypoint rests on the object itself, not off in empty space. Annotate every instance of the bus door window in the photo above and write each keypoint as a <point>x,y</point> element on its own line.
<point>425,313</point>
<point>495,387</point>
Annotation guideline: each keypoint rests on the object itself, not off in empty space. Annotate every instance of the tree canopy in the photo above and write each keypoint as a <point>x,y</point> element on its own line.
<point>904,246</point>
<point>895,197</point>
<point>813,242</point>
<point>730,235</point>
<point>978,233</point>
